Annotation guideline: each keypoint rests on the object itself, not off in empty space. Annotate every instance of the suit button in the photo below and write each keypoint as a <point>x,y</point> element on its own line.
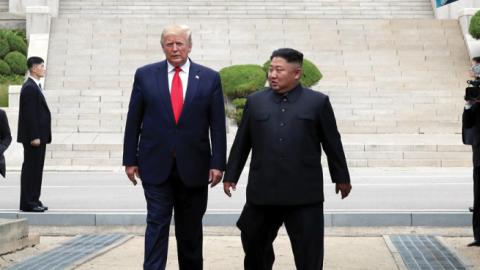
<point>282,124</point>
<point>284,110</point>
<point>281,139</point>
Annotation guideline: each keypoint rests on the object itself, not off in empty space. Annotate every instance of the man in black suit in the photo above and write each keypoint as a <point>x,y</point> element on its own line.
<point>175,142</point>
<point>34,132</point>
<point>5,140</point>
<point>285,126</point>
<point>471,135</point>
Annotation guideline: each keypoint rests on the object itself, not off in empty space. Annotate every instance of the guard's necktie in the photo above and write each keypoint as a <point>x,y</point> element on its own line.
<point>40,85</point>
<point>176,94</point>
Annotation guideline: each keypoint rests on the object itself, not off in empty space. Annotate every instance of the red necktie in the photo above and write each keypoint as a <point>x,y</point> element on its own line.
<point>176,94</point>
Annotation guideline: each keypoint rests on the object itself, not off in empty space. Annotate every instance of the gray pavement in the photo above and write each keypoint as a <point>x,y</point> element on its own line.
<point>345,248</point>
<point>374,189</point>
<point>380,197</point>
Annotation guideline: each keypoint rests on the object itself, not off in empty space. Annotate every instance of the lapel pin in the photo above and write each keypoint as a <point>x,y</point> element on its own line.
<point>196,77</point>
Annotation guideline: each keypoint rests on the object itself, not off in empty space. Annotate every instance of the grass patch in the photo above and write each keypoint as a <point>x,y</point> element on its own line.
<point>5,81</point>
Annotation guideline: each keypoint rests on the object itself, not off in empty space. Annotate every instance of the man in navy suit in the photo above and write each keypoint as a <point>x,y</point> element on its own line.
<point>34,132</point>
<point>175,142</point>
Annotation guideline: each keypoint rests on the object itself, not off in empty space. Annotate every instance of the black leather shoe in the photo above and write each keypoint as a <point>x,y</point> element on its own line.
<point>475,243</point>
<point>470,208</point>
<point>34,209</point>
<point>45,208</point>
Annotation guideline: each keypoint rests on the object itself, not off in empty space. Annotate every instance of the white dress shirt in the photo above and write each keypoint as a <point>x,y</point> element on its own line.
<point>36,81</point>
<point>183,76</point>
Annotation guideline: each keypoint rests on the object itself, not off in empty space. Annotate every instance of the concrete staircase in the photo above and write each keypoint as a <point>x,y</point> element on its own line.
<point>4,6</point>
<point>282,9</point>
<point>396,84</point>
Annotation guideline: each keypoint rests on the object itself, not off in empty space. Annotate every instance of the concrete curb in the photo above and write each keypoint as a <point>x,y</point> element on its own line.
<point>332,219</point>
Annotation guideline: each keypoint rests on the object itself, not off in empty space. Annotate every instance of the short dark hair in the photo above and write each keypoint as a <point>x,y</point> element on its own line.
<point>290,55</point>
<point>476,59</point>
<point>34,60</point>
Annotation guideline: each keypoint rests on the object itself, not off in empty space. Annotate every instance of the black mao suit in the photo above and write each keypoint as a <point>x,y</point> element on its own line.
<point>34,122</point>
<point>285,184</point>
<point>471,119</point>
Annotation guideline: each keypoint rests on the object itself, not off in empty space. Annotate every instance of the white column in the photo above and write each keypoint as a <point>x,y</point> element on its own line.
<point>19,7</point>
<point>38,20</point>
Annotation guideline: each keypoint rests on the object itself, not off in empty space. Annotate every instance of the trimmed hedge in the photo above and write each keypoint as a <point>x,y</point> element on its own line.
<point>241,80</point>
<point>17,43</point>
<point>4,47</point>
<point>17,62</point>
<point>239,102</point>
<point>310,76</point>
<point>5,68</point>
<point>474,28</point>
<point>13,50</point>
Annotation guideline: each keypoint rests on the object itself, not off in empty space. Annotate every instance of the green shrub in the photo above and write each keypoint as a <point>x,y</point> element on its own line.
<point>16,39</point>
<point>474,28</point>
<point>17,62</point>
<point>5,81</point>
<point>239,102</point>
<point>17,43</point>
<point>5,68</point>
<point>4,47</point>
<point>241,80</point>
<point>238,115</point>
<point>310,76</point>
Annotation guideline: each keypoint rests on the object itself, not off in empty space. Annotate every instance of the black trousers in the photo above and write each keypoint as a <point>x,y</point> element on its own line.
<point>476,203</point>
<point>259,226</point>
<point>189,206</point>
<point>31,176</point>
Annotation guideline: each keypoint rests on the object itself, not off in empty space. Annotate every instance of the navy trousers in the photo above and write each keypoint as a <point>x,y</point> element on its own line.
<point>189,206</point>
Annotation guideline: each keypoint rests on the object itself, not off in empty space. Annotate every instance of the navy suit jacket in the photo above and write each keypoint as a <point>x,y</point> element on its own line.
<point>152,138</point>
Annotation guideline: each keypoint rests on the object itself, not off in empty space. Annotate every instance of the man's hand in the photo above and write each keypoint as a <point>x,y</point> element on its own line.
<point>35,142</point>
<point>227,186</point>
<point>132,172</point>
<point>214,177</point>
<point>344,189</point>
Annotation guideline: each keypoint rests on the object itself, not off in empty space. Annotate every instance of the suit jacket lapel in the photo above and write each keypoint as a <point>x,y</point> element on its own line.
<point>40,92</point>
<point>162,86</point>
<point>193,80</point>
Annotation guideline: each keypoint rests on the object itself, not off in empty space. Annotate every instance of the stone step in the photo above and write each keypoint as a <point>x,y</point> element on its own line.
<point>253,9</point>
<point>14,234</point>
<point>382,75</point>
<point>4,6</point>
<point>100,151</point>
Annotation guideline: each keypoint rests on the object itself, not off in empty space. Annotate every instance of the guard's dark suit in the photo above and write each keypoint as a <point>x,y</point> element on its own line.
<point>5,140</point>
<point>34,121</point>
<point>471,120</point>
<point>285,183</point>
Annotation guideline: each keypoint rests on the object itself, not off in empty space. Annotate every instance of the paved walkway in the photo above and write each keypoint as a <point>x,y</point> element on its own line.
<point>374,189</point>
<point>345,248</point>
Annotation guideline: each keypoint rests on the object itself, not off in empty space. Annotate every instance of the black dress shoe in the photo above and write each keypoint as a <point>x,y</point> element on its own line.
<point>45,208</point>
<point>34,209</point>
<point>470,208</point>
<point>475,243</point>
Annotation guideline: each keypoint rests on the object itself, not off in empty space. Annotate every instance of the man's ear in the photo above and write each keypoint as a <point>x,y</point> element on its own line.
<point>298,73</point>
